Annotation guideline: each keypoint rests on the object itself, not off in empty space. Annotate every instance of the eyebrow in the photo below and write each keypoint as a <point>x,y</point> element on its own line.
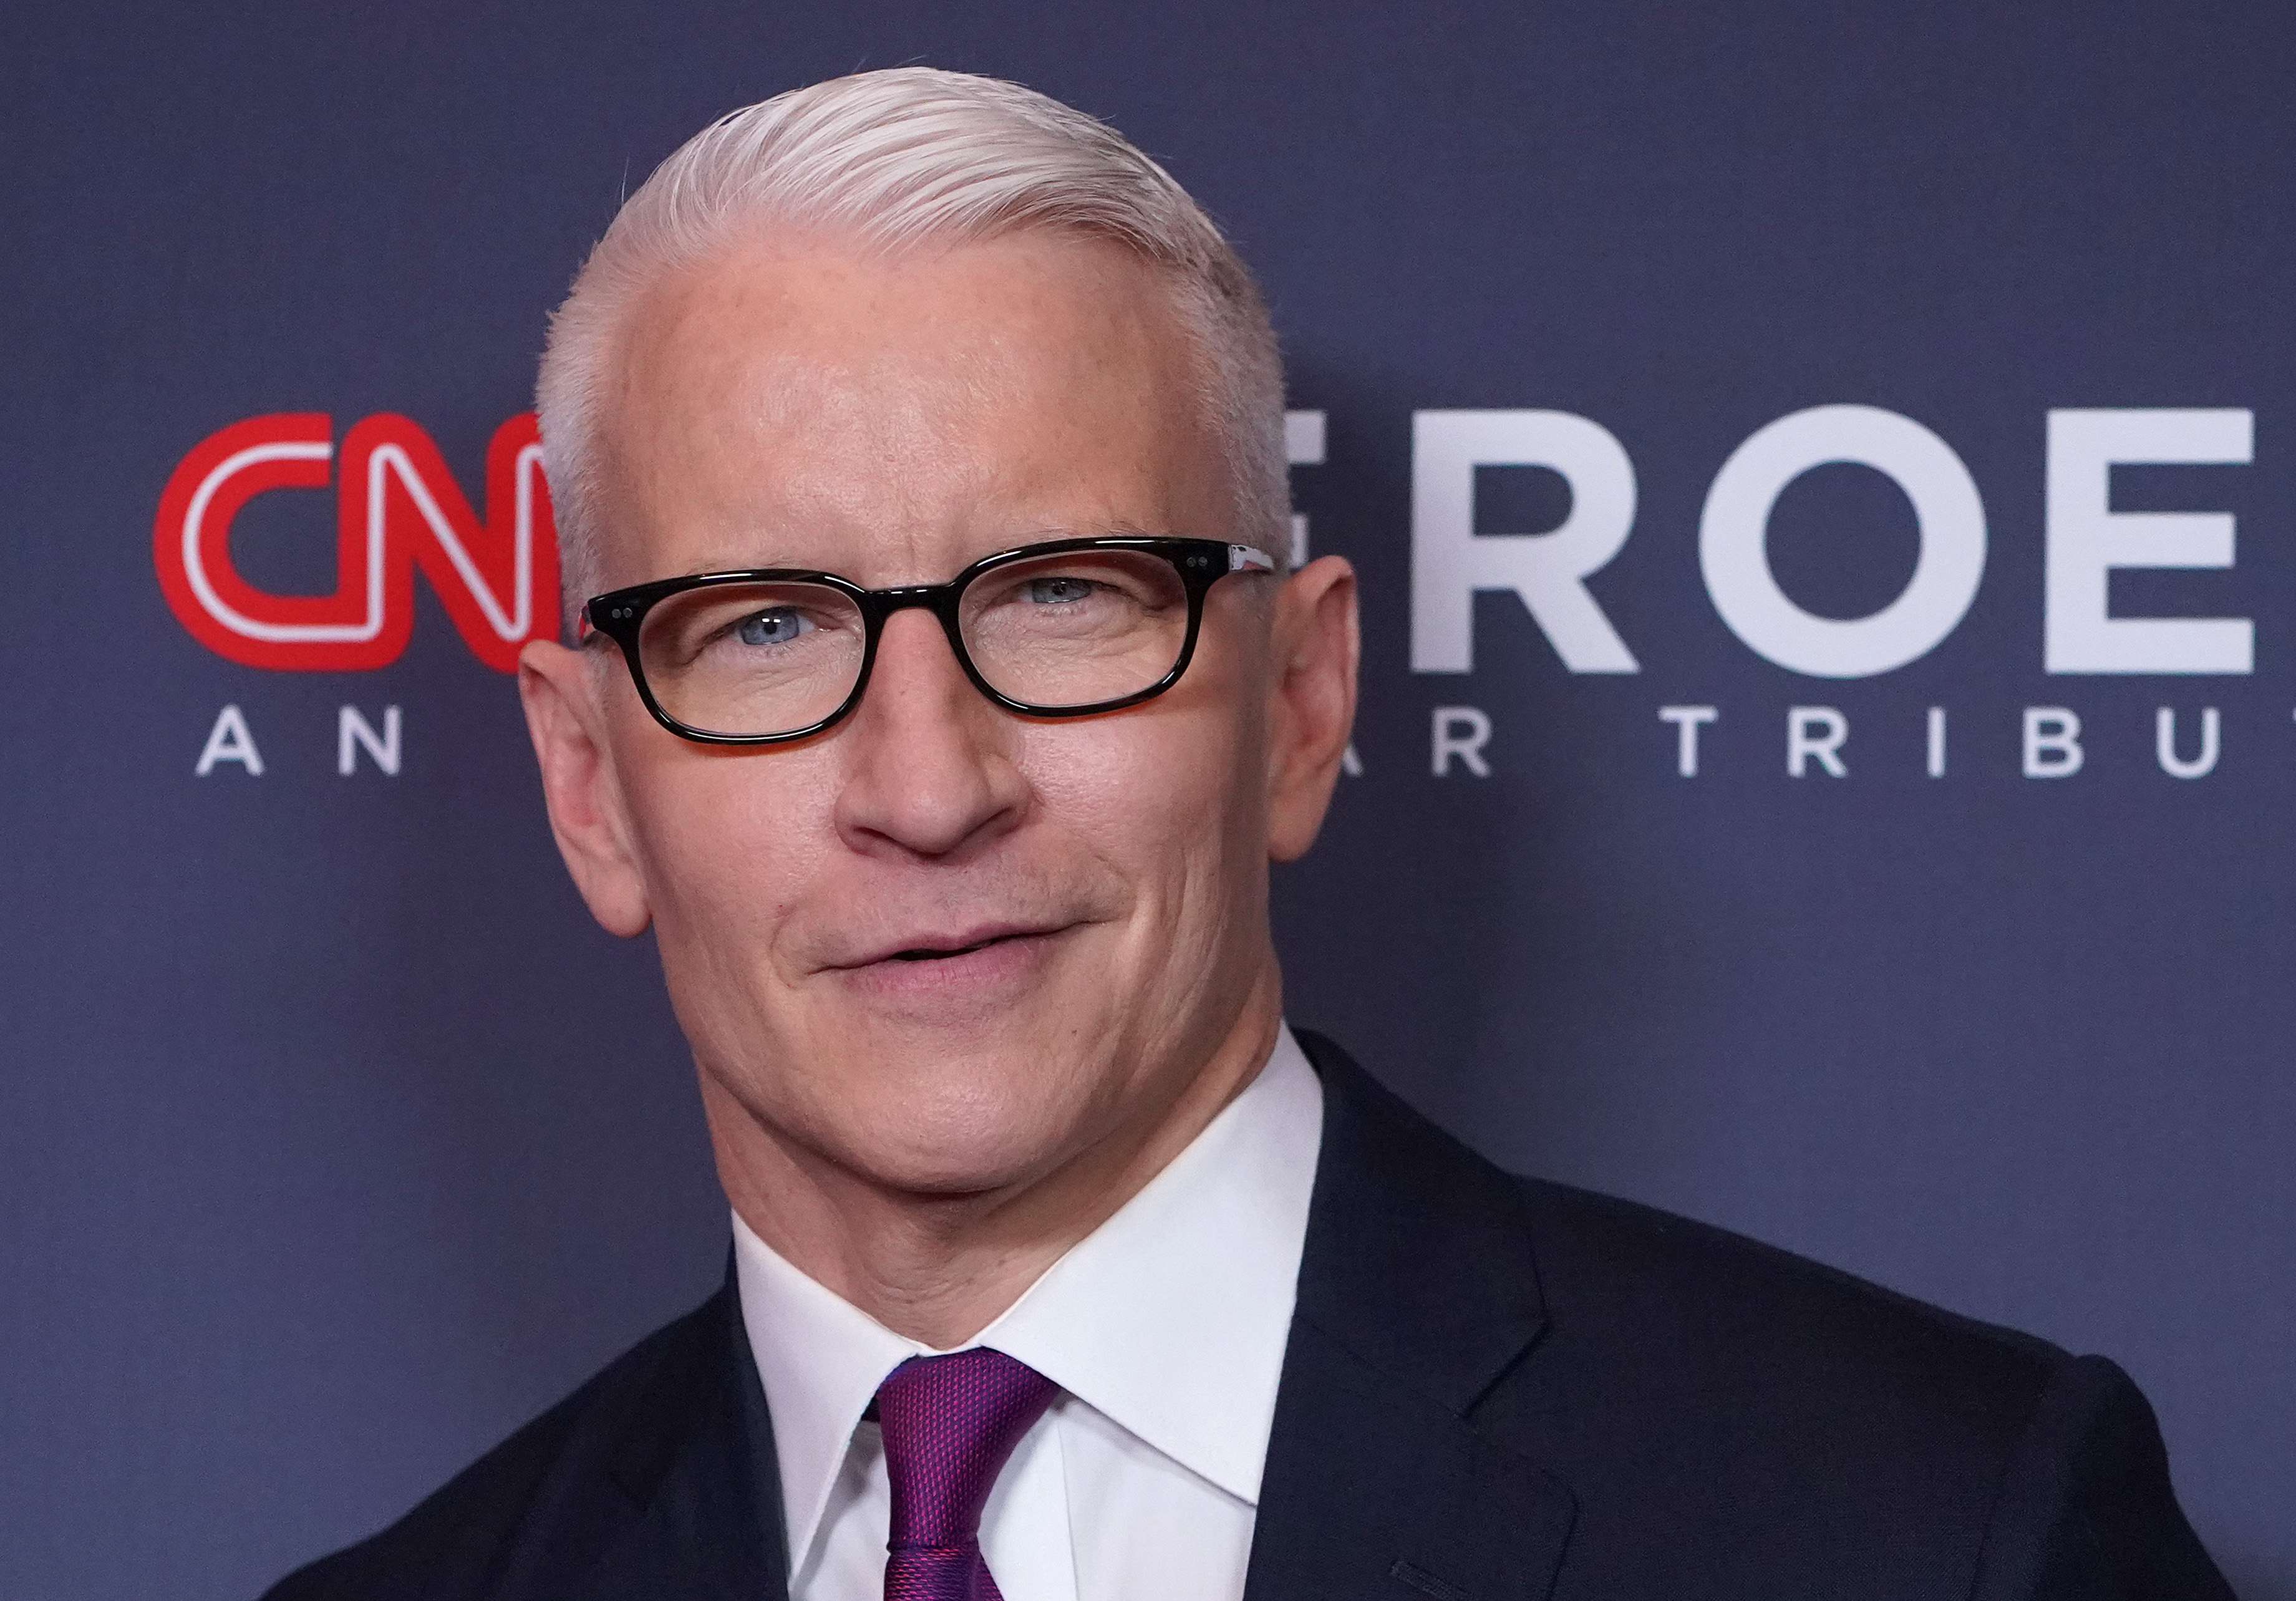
<point>1113,530</point>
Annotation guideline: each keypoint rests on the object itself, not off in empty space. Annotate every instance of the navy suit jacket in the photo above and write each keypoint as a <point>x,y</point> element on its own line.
<point>1496,1389</point>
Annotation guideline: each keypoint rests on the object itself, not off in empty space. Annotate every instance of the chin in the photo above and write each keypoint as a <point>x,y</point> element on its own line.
<point>920,1164</point>
<point>967,1132</point>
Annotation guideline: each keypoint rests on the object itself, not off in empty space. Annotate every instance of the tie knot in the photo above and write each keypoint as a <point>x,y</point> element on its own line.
<point>949,1422</point>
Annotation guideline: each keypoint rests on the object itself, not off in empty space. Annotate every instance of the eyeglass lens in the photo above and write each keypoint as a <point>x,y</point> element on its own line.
<point>1057,631</point>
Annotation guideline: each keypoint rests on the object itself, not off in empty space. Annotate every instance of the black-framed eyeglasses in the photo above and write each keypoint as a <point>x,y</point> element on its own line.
<point>1063,628</point>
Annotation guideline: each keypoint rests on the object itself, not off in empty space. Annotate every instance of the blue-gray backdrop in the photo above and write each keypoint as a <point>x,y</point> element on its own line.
<point>335,1139</point>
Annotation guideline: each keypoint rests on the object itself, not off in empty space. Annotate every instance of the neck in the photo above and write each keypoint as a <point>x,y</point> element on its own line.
<point>940,1268</point>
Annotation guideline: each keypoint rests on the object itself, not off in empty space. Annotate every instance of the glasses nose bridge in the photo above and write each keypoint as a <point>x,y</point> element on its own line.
<point>940,600</point>
<point>930,598</point>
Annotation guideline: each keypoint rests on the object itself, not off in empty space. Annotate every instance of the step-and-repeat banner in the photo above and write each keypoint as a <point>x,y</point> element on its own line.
<point>1822,477</point>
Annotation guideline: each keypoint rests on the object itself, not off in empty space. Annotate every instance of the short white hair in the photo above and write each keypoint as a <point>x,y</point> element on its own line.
<point>892,160</point>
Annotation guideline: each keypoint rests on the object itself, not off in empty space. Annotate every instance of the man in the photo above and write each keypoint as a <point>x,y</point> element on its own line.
<point>940,703</point>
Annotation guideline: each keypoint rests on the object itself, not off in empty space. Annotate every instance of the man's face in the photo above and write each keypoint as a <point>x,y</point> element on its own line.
<point>940,947</point>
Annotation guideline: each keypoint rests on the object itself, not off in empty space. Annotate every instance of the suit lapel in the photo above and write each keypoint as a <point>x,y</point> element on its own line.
<point>700,1486</point>
<point>1417,1293</point>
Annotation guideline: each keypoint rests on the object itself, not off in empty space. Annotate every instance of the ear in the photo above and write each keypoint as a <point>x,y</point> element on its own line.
<point>559,689</point>
<point>1312,699</point>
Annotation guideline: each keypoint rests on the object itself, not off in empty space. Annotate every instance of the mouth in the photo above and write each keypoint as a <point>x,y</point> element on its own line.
<point>950,947</point>
<point>925,953</point>
<point>965,975</point>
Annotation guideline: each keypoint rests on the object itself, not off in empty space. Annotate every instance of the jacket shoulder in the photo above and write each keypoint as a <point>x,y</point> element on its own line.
<point>1791,1421</point>
<point>553,1488</point>
<point>1700,1304</point>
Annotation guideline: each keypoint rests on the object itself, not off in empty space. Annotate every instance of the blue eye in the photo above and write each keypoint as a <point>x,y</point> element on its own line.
<point>777,627</point>
<point>1059,591</point>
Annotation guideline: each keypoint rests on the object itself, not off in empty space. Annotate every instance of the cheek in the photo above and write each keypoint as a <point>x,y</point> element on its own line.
<point>725,851</point>
<point>1166,797</point>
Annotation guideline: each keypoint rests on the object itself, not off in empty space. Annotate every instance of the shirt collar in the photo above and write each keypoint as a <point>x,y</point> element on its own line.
<point>1170,1318</point>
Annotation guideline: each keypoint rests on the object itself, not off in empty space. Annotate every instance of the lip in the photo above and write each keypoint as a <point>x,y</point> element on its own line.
<point>926,950</point>
<point>985,973</point>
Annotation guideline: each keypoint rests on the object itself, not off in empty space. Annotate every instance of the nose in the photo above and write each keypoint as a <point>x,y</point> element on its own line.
<point>929,768</point>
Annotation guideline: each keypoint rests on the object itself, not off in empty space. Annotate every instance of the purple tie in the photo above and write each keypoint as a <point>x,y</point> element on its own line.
<point>949,1422</point>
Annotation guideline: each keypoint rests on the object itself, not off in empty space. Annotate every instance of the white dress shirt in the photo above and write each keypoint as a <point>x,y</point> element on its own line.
<point>1165,1330</point>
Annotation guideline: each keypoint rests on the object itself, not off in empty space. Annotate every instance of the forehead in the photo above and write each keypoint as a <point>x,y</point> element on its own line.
<point>894,417</point>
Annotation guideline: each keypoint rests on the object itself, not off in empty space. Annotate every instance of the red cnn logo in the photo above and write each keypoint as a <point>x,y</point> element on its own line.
<point>396,508</point>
